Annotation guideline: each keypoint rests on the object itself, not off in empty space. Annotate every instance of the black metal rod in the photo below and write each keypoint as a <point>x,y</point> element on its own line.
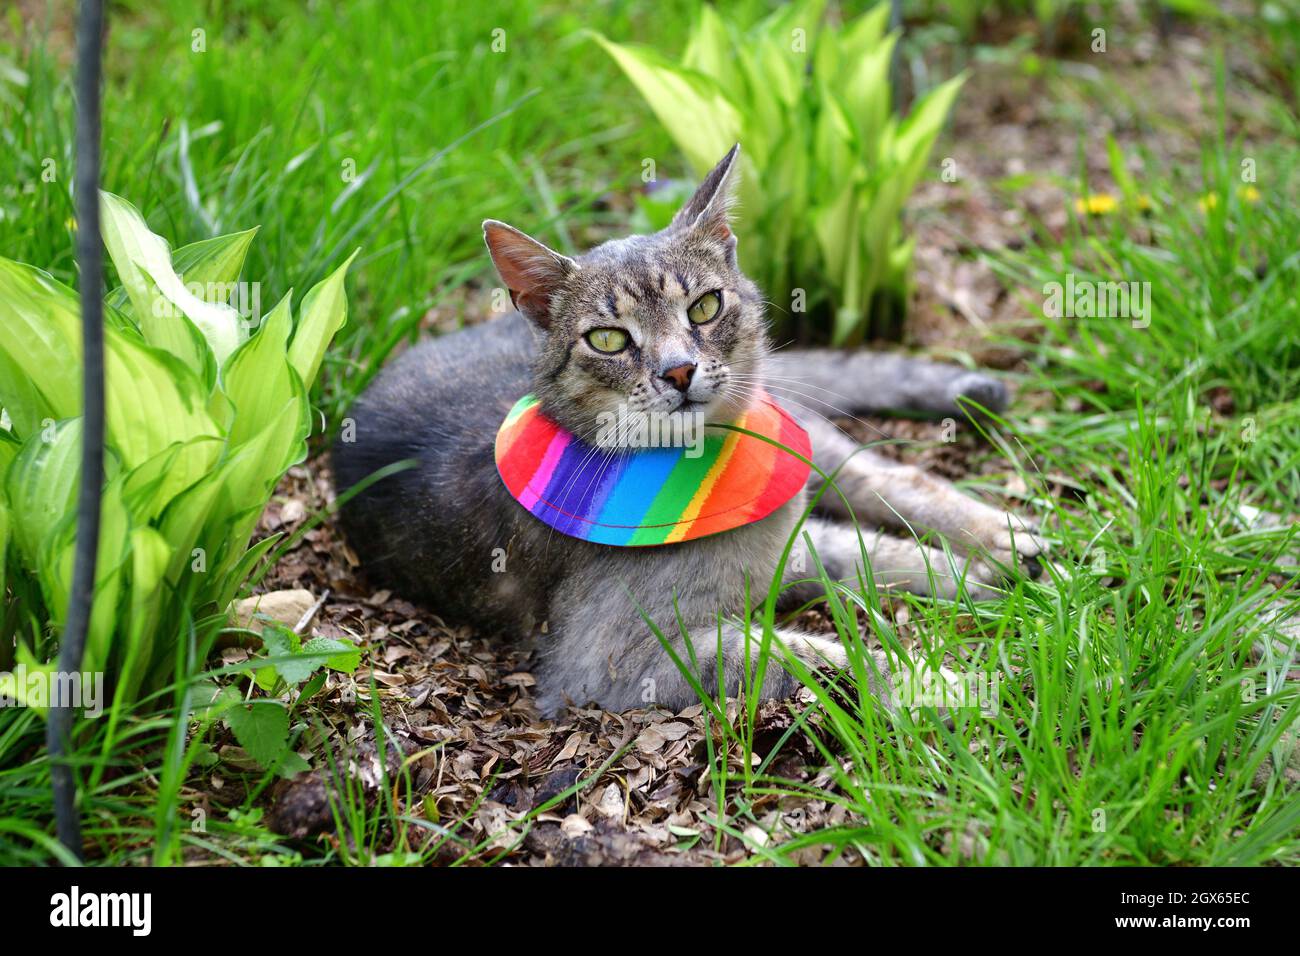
<point>90,30</point>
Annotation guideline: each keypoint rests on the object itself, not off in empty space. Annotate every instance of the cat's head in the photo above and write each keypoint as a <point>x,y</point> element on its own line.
<point>663,325</point>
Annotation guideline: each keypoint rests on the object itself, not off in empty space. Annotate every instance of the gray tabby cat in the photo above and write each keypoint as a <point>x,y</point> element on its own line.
<point>664,323</point>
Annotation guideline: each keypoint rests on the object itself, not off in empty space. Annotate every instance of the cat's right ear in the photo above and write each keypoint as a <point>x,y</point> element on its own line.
<point>532,272</point>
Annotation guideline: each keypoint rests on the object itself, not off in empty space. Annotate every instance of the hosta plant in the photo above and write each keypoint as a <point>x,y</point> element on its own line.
<point>205,407</point>
<point>826,164</point>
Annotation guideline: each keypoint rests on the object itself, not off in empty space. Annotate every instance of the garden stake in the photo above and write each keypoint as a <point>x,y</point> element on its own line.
<point>90,266</point>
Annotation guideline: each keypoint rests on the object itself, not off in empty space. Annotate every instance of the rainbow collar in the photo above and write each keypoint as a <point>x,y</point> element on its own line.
<point>648,496</point>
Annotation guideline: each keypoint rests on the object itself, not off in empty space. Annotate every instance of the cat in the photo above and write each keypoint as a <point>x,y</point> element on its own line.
<point>447,531</point>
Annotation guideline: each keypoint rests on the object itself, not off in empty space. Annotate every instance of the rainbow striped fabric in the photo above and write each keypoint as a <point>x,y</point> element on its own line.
<point>648,496</point>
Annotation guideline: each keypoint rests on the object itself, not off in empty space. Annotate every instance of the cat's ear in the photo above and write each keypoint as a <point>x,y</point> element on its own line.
<point>709,209</point>
<point>532,272</point>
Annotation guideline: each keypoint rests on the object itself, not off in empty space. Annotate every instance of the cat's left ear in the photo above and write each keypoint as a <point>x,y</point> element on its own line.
<point>708,211</point>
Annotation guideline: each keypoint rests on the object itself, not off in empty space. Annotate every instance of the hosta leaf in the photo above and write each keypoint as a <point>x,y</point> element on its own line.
<point>323,312</point>
<point>917,133</point>
<point>834,225</point>
<point>865,91</point>
<point>152,400</point>
<point>4,539</point>
<point>258,379</point>
<point>9,448</point>
<point>149,557</point>
<point>765,115</point>
<point>239,571</point>
<point>40,328</point>
<point>56,566</point>
<point>863,35</point>
<point>160,300</point>
<point>151,486</point>
<point>781,214</point>
<point>41,486</point>
<point>212,514</point>
<point>835,145</point>
<point>783,68</point>
<point>781,24</point>
<point>257,466</point>
<point>691,105</point>
<point>29,693</point>
<point>217,261</point>
<point>709,48</point>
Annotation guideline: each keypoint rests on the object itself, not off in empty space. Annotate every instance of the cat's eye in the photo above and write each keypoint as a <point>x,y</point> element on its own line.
<point>608,341</point>
<point>706,308</point>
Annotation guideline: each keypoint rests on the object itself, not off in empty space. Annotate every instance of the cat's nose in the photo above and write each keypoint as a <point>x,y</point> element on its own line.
<point>680,376</point>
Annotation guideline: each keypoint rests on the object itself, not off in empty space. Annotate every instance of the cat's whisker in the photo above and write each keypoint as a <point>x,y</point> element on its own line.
<point>798,387</point>
<point>760,382</point>
<point>767,376</point>
<point>610,452</point>
<point>592,452</point>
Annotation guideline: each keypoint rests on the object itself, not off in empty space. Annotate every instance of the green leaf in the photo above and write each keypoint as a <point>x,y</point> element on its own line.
<point>691,105</point>
<point>865,91</point>
<point>258,379</point>
<point>262,729</point>
<point>149,557</point>
<point>239,570</point>
<point>217,261</point>
<point>9,448</point>
<point>41,486</point>
<point>151,486</point>
<point>21,691</point>
<point>56,567</point>
<point>152,401</point>
<point>160,300</point>
<point>4,540</point>
<point>917,133</point>
<point>40,329</point>
<point>210,269</point>
<point>324,311</point>
<point>339,655</point>
<point>217,513</point>
<point>835,145</point>
<point>863,35</point>
<point>296,661</point>
<point>709,48</point>
<point>281,642</point>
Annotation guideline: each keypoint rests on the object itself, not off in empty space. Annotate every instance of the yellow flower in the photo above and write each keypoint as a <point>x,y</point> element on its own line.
<point>1207,202</point>
<point>1249,194</point>
<point>1144,203</point>
<point>1095,204</point>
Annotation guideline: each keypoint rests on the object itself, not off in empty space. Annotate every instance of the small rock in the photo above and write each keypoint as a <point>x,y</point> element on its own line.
<point>287,607</point>
<point>611,802</point>
<point>575,825</point>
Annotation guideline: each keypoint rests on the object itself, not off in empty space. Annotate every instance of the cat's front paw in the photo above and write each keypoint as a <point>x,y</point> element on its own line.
<point>975,391</point>
<point>1011,543</point>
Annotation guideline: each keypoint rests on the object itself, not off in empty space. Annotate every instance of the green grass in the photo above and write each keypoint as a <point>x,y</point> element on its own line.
<point>434,130</point>
<point>1135,725</point>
